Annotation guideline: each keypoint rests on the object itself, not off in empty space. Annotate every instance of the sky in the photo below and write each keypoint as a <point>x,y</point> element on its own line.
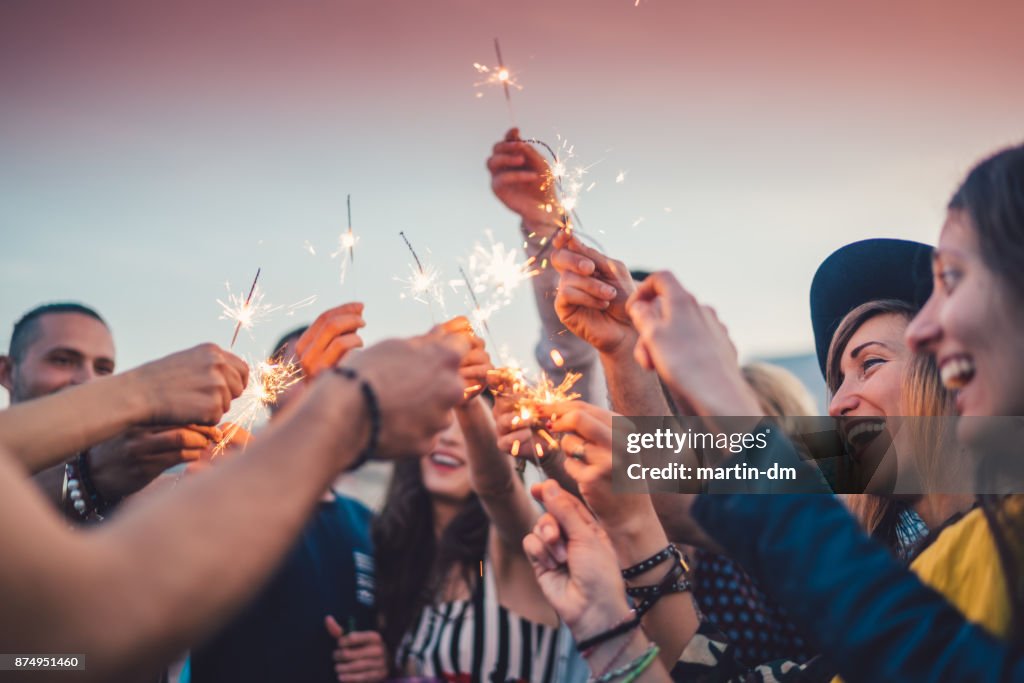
<point>154,151</point>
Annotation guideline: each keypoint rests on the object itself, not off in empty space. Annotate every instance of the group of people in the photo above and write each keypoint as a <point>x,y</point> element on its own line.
<point>252,566</point>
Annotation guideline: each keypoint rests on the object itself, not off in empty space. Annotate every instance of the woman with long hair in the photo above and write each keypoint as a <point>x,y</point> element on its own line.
<point>457,597</point>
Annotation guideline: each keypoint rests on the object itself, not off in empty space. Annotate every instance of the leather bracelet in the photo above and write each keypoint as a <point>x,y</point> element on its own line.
<point>651,562</point>
<point>673,582</point>
<point>622,627</point>
<point>373,410</point>
<point>671,578</point>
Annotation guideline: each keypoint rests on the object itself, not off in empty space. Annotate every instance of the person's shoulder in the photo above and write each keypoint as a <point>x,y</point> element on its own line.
<point>353,508</point>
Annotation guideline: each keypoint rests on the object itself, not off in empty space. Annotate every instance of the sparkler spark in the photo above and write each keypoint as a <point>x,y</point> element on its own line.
<point>498,75</point>
<point>267,380</point>
<point>496,273</point>
<point>245,311</point>
<point>424,281</point>
<point>347,241</point>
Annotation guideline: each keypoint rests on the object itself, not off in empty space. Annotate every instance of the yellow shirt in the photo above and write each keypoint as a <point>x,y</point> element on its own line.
<point>963,564</point>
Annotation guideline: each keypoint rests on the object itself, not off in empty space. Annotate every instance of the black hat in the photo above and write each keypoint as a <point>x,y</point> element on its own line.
<point>865,271</point>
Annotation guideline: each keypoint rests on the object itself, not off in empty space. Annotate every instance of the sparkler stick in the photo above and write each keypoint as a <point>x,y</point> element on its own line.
<point>346,244</point>
<point>480,315</point>
<point>503,77</point>
<point>245,307</point>
<point>423,284</point>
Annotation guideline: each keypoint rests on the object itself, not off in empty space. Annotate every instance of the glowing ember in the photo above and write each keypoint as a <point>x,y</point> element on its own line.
<point>556,358</point>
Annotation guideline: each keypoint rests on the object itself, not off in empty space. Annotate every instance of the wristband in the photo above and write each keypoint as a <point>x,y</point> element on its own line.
<point>653,561</point>
<point>373,411</point>
<point>622,627</point>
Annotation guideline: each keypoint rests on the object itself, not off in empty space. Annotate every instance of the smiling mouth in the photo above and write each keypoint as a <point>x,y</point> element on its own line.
<point>956,372</point>
<point>445,460</point>
<point>863,432</point>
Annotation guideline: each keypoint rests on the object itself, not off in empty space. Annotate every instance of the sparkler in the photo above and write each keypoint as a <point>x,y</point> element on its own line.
<point>423,284</point>
<point>267,380</point>
<point>498,75</point>
<point>346,245</point>
<point>568,184</point>
<point>530,400</point>
<point>245,312</point>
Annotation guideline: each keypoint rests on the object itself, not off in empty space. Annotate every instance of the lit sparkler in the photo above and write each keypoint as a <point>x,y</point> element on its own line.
<point>424,281</point>
<point>498,75</point>
<point>246,311</point>
<point>268,379</point>
<point>346,245</point>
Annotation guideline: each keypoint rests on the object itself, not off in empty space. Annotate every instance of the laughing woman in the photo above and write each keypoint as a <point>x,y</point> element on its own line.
<point>458,599</point>
<point>874,620</point>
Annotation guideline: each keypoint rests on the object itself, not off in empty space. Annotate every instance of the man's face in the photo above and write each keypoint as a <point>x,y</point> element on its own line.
<point>64,349</point>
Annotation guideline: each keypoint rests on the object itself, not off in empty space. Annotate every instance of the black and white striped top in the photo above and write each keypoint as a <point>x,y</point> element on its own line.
<point>479,640</point>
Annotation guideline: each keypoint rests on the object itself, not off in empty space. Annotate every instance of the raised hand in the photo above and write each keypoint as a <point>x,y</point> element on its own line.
<point>360,656</point>
<point>690,349</point>
<point>592,294</point>
<point>417,384</point>
<point>587,443</point>
<point>575,564</point>
<point>521,179</point>
<point>329,339</point>
<point>128,462</point>
<point>190,387</point>
<point>476,362</point>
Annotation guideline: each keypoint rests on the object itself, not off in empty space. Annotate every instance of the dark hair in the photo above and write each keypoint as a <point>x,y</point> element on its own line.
<point>24,331</point>
<point>287,337</point>
<point>413,568</point>
<point>992,195</point>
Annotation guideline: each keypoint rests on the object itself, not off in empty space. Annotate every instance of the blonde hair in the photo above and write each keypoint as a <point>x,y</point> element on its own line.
<point>781,394</point>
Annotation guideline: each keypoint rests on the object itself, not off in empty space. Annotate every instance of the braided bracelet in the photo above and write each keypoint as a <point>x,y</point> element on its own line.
<point>651,562</point>
<point>372,407</point>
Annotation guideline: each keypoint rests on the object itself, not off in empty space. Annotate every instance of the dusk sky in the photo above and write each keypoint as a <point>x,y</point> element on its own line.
<point>152,151</point>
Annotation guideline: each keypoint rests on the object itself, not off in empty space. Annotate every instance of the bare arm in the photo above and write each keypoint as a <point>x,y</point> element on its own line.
<point>193,386</point>
<point>173,566</point>
<point>494,478</point>
<point>173,569</point>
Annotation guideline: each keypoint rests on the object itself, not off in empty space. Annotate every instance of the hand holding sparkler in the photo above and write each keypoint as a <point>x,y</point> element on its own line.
<point>131,460</point>
<point>592,294</point>
<point>586,439</point>
<point>475,363</point>
<point>690,349</point>
<point>191,387</point>
<point>521,179</point>
<point>416,382</point>
<point>330,338</point>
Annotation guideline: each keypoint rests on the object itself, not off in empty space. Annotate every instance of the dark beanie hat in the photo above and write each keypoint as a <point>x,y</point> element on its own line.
<point>865,271</point>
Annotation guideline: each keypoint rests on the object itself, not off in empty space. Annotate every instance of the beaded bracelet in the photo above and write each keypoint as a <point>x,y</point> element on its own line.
<point>82,503</point>
<point>372,407</point>
<point>632,670</point>
<point>651,562</point>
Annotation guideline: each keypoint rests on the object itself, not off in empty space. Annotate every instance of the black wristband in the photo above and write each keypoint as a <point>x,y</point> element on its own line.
<point>373,411</point>
<point>672,582</point>
<point>617,630</point>
<point>651,562</point>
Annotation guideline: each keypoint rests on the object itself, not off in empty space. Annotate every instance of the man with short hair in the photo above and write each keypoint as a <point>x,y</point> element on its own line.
<point>64,344</point>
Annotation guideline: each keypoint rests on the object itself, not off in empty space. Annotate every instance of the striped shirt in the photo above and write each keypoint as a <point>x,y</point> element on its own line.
<point>479,640</point>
